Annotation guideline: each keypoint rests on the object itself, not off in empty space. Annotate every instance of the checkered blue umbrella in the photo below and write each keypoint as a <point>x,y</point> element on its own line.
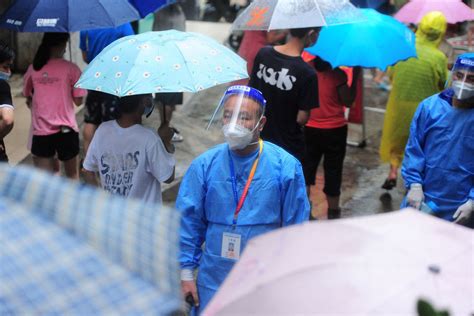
<point>66,249</point>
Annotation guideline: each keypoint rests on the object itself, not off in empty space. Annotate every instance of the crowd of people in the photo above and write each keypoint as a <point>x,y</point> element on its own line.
<point>277,129</point>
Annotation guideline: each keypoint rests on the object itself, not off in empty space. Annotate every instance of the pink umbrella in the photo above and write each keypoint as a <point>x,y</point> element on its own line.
<point>375,265</point>
<point>454,10</point>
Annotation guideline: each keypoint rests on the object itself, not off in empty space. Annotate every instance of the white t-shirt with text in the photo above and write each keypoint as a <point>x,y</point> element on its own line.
<point>130,161</point>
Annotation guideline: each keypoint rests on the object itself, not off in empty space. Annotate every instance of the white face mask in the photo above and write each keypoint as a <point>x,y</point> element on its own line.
<point>238,137</point>
<point>5,75</point>
<point>462,90</point>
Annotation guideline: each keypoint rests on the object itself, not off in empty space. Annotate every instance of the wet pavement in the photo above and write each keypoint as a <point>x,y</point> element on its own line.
<point>362,177</point>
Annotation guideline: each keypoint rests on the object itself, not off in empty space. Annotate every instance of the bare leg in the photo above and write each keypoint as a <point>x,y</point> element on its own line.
<point>56,166</point>
<point>46,164</point>
<point>393,174</point>
<point>87,134</point>
<point>71,168</point>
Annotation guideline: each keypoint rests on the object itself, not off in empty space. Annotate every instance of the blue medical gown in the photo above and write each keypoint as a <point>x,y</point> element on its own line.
<point>440,153</point>
<point>276,198</point>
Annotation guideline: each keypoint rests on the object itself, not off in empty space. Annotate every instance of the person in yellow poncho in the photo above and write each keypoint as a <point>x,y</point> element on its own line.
<point>413,80</point>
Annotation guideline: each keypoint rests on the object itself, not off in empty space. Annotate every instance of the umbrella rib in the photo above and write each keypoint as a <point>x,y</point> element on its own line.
<point>108,15</point>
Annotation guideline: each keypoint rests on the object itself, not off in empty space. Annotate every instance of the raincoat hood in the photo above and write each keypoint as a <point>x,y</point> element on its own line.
<point>431,29</point>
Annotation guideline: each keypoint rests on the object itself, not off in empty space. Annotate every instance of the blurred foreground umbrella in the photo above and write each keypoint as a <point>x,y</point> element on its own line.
<point>283,14</point>
<point>166,61</point>
<point>380,41</point>
<point>374,265</point>
<point>66,15</point>
<point>454,10</point>
<point>145,7</point>
<point>66,249</point>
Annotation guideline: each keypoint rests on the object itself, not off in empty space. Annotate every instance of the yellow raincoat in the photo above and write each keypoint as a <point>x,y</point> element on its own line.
<point>413,80</point>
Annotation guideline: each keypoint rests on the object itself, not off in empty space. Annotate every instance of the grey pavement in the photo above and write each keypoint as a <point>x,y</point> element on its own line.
<point>363,173</point>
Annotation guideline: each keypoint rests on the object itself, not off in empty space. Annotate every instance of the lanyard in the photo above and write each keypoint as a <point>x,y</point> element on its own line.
<point>240,202</point>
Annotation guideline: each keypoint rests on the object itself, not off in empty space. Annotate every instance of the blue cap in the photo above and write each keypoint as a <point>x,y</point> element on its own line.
<point>250,92</point>
<point>465,61</point>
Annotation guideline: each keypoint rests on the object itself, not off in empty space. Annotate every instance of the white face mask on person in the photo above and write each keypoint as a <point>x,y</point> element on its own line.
<point>462,90</point>
<point>238,137</point>
<point>5,75</point>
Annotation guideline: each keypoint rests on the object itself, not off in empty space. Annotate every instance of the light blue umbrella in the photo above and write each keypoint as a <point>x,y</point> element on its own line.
<point>167,61</point>
<point>380,41</point>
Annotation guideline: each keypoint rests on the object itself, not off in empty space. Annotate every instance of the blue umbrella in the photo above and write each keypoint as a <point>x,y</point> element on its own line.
<point>66,15</point>
<point>67,249</point>
<point>374,4</point>
<point>380,41</point>
<point>166,61</point>
<point>145,7</point>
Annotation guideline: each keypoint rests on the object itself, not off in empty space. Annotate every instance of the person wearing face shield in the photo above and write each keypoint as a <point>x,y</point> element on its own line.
<point>6,105</point>
<point>234,192</point>
<point>131,160</point>
<point>413,81</point>
<point>438,168</point>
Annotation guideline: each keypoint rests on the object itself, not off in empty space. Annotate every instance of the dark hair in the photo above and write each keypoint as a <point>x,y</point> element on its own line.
<point>302,32</point>
<point>6,52</point>
<point>43,54</point>
<point>130,104</point>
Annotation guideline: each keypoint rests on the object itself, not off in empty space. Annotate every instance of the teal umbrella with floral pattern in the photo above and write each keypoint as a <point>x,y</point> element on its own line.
<point>167,61</point>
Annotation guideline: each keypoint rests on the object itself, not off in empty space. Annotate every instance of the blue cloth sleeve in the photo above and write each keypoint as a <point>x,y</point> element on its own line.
<point>127,30</point>
<point>471,193</point>
<point>295,208</point>
<point>190,203</point>
<point>83,41</point>
<point>414,162</point>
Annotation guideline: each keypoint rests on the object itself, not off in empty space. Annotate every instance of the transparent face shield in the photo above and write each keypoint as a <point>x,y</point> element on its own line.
<point>461,79</point>
<point>240,107</point>
<point>239,112</point>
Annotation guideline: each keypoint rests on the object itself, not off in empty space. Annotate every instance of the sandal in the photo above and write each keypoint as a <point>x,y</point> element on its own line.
<point>389,184</point>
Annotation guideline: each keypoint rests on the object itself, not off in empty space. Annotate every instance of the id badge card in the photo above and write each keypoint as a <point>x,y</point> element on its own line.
<point>230,246</point>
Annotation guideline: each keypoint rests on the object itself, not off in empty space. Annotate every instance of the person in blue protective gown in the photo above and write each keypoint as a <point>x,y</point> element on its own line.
<point>216,208</point>
<point>438,168</point>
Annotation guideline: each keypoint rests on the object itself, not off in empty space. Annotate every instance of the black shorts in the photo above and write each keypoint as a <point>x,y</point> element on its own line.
<point>100,107</point>
<point>169,98</point>
<point>330,143</point>
<point>3,152</point>
<point>66,145</point>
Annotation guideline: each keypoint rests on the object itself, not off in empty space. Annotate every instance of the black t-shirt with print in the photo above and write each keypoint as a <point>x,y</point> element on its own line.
<point>289,85</point>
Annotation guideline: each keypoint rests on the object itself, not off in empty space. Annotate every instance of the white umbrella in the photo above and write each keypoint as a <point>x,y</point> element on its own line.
<point>287,14</point>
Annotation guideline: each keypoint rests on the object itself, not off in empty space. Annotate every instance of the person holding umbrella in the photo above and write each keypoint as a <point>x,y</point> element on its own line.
<point>412,81</point>
<point>234,192</point>
<point>131,160</point>
<point>438,168</point>
<point>326,130</point>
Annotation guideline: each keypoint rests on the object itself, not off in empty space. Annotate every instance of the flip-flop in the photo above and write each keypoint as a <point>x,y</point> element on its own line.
<point>389,184</point>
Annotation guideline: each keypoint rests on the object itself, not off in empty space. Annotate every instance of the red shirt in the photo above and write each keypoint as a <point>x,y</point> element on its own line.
<point>330,113</point>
